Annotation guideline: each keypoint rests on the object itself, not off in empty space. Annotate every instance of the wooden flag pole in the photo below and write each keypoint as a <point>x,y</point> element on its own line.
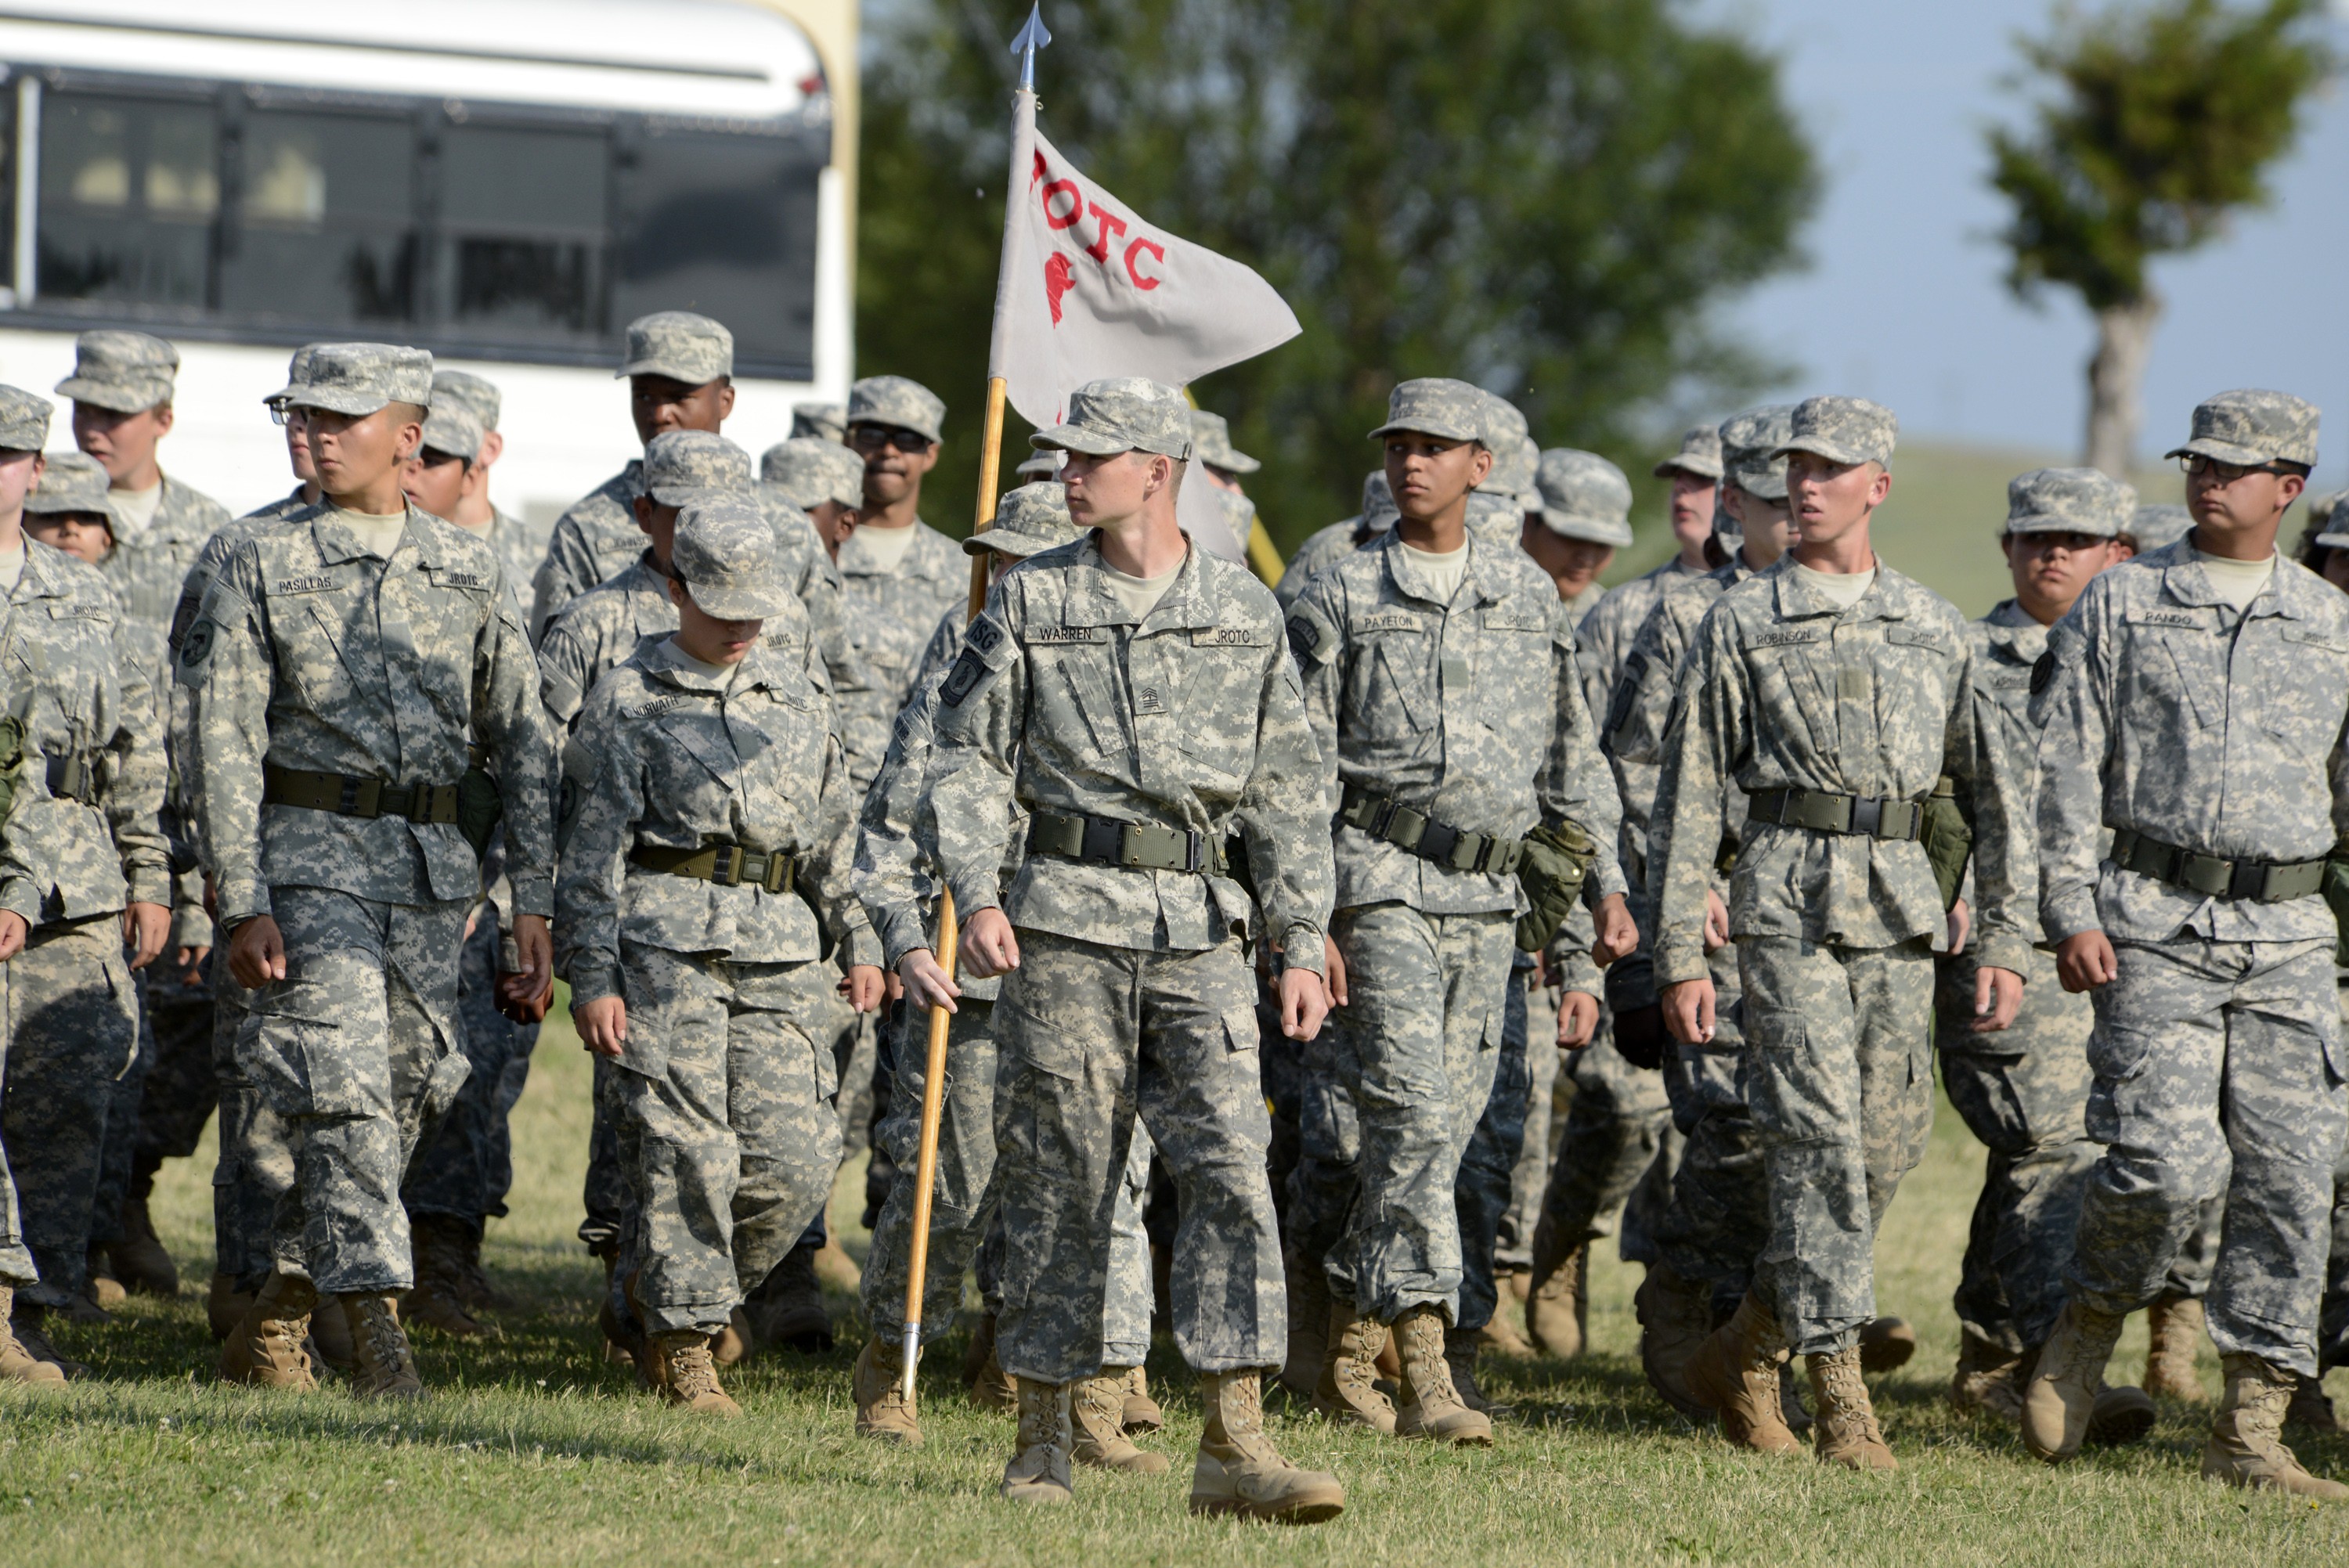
<point>926,1166</point>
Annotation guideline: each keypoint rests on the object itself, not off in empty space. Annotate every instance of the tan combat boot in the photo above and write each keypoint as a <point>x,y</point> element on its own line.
<point>98,1284</point>
<point>18,1365</point>
<point>1140,1412</point>
<point>1845,1428</point>
<point>1675,1319</point>
<point>436,1244</point>
<point>1734,1374</point>
<point>225,1305</point>
<point>1557,1313</point>
<point>878,1384</point>
<point>2120,1416</point>
<point>1039,1471</point>
<point>1461,1348</point>
<point>687,1374</point>
<point>330,1335</point>
<point>139,1260</point>
<point>1501,1336</point>
<point>1431,1406</point>
<point>1308,1327</point>
<point>1988,1380</point>
<point>1238,1470</point>
<point>2174,1333</point>
<point>267,1348</point>
<point>2062,1393</point>
<point>29,1325</point>
<point>2246,1447</point>
<point>2310,1410</point>
<point>1346,1389</point>
<point>382,1364</point>
<point>1097,1414</point>
<point>1886,1345</point>
<point>982,1374</point>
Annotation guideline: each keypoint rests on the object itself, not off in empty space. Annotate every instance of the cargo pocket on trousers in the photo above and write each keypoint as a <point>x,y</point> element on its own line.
<point>2119,1052</point>
<point>444,1083</point>
<point>300,1068</point>
<point>1239,1028</point>
<point>1786,1107</point>
<point>1037,1092</point>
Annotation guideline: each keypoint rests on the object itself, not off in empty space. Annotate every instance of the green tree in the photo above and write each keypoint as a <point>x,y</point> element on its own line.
<point>2155,124</point>
<point>1545,198</point>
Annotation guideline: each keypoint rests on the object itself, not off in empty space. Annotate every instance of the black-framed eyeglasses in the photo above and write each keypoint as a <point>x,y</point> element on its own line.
<point>2197,464</point>
<point>873,438</point>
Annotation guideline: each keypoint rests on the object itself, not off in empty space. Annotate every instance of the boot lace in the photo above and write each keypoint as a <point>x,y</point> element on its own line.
<point>691,1372</point>
<point>382,1347</point>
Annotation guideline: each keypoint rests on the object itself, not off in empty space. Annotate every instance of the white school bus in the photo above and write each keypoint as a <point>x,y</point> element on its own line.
<point>505,182</point>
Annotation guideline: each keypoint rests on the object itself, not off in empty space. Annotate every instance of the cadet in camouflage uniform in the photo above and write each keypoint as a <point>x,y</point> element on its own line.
<point>1443,739</point>
<point>714,824</point>
<point>96,906</point>
<point>822,479</point>
<point>2194,702</point>
<point>1134,697</point>
<point>1225,467</point>
<point>1834,692</point>
<point>520,547</point>
<point>23,872</point>
<point>680,368</point>
<point>341,665</point>
<point>823,421</point>
<point>2023,1091</point>
<point>1326,545</point>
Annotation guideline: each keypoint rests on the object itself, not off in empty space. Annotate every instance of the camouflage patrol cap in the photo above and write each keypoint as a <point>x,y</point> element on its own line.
<point>453,430</point>
<point>1437,406</point>
<point>1750,457</point>
<point>23,419</point>
<point>2069,500</point>
<point>724,554</point>
<point>1700,454</point>
<point>127,372</point>
<point>1379,507</point>
<point>1122,414</point>
<point>680,346</point>
<point>1211,441</point>
<point>71,482</point>
<point>826,421</point>
<point>1027,520</point>
<point>682,466</point>
<point>808,470</point>
<point>477,395</point>
<point>1515,454</point>
<point>2328,519</point>
<point>1044,465</point>
<point>1583,496</point>
<point>1843,430</point>
<point>2251,426</point>
<point>896,401</point>
<point>2156,527</point>
<point>357,378</point>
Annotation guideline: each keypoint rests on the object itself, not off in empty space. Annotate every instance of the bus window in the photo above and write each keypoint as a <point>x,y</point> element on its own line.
<point>523,227</point>
<point>130,187</point>
<point>329,219</point>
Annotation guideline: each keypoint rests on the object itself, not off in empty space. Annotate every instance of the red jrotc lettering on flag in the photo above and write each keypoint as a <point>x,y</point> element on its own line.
<point>1064,204</point>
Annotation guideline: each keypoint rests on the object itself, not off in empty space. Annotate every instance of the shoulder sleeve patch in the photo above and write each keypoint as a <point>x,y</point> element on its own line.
<point>1310,636</point>
<point>970,670</point>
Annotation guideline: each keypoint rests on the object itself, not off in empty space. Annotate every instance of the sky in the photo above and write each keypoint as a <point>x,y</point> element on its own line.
<point>1904,300</point>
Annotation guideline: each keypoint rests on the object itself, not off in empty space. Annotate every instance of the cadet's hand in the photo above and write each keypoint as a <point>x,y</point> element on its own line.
<point>1961,925</point>
<point>1618,936</point>
<point>145,928</point>
<point>1717,921</point>
<point>989,948</point>
<point>1998,996</point>
<point>603,1025</point>
<point>2086,961</point>
<point>1688,1011</point>
<point>927,985</point>
<point>256,953</point>
<point>12,934</point>
<point>865,987</point>
<point>1333,967</point>
<point>1577,1019</point>
<point>191,961</point>
<point>1304,1003</point>
<point>535,949</point>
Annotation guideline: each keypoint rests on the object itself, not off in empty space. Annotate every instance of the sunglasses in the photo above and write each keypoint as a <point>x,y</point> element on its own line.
<point>873,438</point>
<point>2195,463</point>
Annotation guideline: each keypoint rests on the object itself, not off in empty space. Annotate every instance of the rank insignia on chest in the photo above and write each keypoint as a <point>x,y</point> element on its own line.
<point>1149,699</point>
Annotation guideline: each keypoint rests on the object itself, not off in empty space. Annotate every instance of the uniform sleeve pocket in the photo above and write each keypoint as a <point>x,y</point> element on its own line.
<point>302,1069</point>
<point>2119,1052</point>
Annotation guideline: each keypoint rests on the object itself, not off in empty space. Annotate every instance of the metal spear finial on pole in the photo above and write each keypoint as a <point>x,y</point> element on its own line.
<point>1032,37</point>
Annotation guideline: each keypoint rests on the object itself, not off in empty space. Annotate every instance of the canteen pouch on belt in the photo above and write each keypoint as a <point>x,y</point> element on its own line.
<point>480,809</point>
<point>2336,898</point>
<point>1948,840</point>
<point>1557,861</point>
<point>12,753</point>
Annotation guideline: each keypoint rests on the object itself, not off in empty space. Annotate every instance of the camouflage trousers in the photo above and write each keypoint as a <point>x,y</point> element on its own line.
<point>181,1088</point>
<point>1839,1081</point>
<point>461,1169</point>
<point>2216,1063</point>
<point>1512,1243</point>
<point>1092,1036</point>
<point>71,1030</point>
<point>1487,1166</point>
<point>1616,1126</point>
<point>1718,1209</point>
<point>2024,1093</point>
<point>254,1170</point>
<point>1413,1061</point>
<point>962,1198</point>
<point>728,1099</point>
<point>356,1050</point>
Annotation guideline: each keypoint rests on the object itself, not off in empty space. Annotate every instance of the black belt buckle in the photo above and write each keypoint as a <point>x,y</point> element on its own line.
<point>1868,815</point>
<point>1103,840</point>
<point>1436,842</point>
<point>2249,880</point>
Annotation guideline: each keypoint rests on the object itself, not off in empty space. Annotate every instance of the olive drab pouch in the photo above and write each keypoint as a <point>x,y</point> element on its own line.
<point>1556,862</point>
<point>12,756</point>
<point>2336,898</point>
<point>1948,839</point>
<point>480,809</point>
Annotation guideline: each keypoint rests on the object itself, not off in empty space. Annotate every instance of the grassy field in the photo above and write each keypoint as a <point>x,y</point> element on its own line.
<point>533,1451</point>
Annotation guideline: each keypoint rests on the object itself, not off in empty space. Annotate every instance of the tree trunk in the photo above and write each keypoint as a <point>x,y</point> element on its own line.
<point>2115,376</point>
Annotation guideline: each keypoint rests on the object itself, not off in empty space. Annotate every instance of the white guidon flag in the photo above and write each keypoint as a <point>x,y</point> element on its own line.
<point>1091,289</point>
